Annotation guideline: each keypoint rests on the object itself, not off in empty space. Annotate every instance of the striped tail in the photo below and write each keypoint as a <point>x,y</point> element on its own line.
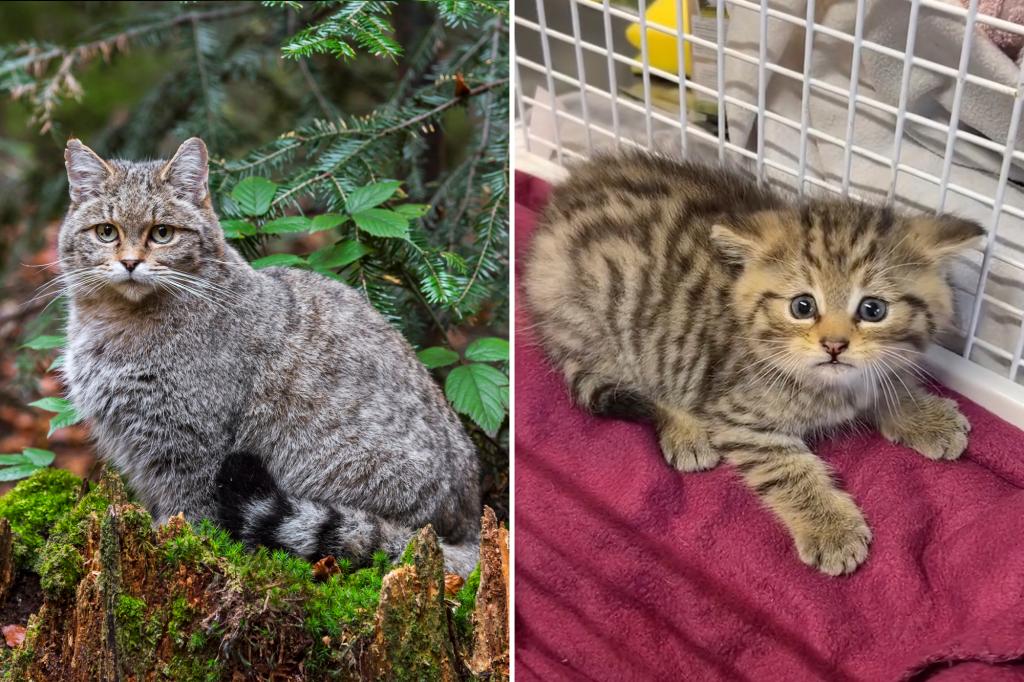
<point>254,509</point>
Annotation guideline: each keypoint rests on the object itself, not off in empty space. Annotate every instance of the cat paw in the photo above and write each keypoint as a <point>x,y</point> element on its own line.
<point>837,546</point>
<point>686,445</point>
<point>934,427</point>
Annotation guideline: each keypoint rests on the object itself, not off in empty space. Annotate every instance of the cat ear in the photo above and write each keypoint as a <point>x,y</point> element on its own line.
<point>740,238</point>
<point>86,171</point>
<point>189,171</point>
<point>944,235</point>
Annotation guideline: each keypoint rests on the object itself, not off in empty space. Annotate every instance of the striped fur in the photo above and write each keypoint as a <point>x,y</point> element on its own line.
<point>662,291</point>
<point>342,439</point>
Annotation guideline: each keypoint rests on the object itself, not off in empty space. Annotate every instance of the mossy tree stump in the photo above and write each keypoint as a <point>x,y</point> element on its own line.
<point>123,601</point>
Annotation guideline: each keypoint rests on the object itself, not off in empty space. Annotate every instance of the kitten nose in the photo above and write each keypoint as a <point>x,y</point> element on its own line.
<point>129,264</point>
<point>835,346</point>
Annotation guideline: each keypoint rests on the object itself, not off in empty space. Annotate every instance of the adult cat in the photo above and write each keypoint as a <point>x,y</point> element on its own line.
<point>277,402</point>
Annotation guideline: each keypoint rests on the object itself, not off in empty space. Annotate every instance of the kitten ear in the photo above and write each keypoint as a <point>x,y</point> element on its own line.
<point>188,171</point>
<point>944,235</point>
<point>742,238</point>
<point>86,170</point>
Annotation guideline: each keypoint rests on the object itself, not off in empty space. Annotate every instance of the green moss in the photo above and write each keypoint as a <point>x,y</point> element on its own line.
<point>60,568</point>
<point>189,668</point>
<point>129,614</point>
<point>74,525</point>
<point>409,554</point>
<point>59,564</point>
<point>34,505</point>
<point>467,603</point>
<point>43,509</point>
<point>181,615</point>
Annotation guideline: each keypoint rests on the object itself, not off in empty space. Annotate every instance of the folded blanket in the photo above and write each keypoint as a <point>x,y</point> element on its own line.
<point>628,570</point>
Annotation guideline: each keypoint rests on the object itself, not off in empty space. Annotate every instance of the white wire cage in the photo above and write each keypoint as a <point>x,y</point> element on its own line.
<point>916,102</point>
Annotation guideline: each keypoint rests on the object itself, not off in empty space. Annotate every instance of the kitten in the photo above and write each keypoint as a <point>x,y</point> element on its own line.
<point>740,325</point>
<point>276,402</point>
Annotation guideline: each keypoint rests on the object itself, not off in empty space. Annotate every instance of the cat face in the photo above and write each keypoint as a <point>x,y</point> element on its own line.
<point>137,229</point>
<point>841,292</point>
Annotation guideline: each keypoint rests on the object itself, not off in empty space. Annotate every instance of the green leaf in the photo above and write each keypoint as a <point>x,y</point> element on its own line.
<point>372,195</point>
<point>6,460</point>
<point>278,259</point>
<point>18,471</point>
<point>57,363</point>
<point>489,349</point>
<point>253,195</point>
<point>436,356</point>
<point>286,225</point>
<point>236,229</point>
<point>455,262</point>
<point>327,221</point>
<point>381,222</point>
<point>338,255</point>
<point>39,457</point>
<point>52,404</point>
<point>413,211</point>
<point>63,419</point>
<point>45,342</point>
<point>476,390</point>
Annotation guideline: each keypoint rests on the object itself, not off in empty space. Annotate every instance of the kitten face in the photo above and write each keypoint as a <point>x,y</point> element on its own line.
<point>137,229</point>
<point>842,292</point>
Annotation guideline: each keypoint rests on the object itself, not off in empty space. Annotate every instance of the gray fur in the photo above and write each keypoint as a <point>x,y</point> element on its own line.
<point>204,357</point>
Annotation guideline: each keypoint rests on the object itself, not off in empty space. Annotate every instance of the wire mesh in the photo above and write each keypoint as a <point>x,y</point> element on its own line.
<point>814,97</point>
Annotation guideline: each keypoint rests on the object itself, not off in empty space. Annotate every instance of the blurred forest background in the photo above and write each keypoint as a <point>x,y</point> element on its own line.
<point>365,140</point>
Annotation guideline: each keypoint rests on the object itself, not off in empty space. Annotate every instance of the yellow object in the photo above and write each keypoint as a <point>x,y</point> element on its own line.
<point>662,51</point>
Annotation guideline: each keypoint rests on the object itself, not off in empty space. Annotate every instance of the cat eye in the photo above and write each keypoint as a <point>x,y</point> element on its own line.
<point>106,233</point>
<point>161,234</point>
<point>872,310</point>
<point>803,307</point>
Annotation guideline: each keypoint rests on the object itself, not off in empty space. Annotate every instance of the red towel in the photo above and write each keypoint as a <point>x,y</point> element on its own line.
<point>627,569</point>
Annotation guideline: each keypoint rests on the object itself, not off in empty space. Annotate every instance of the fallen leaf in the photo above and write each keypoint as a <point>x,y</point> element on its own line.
<point>453,583</point>
<point>325,568</point>
<point>461,89</point>
<point>14,635</point>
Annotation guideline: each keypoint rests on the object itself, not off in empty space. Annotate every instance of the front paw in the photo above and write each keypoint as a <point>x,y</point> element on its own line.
<point>686,446</point>
<point>836,543</point>
<point>933,426</point>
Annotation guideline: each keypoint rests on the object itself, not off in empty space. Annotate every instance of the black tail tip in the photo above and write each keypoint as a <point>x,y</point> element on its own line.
<point>243,476</point>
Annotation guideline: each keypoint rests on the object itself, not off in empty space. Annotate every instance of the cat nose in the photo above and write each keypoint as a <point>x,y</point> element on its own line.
<point>130,264</point>
<point>835,346</point>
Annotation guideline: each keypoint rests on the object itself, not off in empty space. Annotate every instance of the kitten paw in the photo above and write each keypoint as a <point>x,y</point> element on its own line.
<point>836,546</point>
<point>686,445</point>
<point>933,426</point>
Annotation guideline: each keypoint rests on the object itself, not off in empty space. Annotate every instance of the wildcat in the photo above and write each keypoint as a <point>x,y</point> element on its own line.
<point>276,402</point>
<point>740,325</point>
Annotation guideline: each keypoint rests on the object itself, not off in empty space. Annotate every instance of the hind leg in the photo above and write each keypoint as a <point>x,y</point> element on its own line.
<point>685,442</point>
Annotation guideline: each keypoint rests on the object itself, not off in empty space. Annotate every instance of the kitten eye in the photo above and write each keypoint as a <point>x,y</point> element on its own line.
<point>803,307</point>
<point>872,310</point>
<point>161,234</point>
<point>106,233</point>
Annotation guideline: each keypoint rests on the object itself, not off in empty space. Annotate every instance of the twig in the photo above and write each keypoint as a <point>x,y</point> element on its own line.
<point>203,79</point>
<point>393,129</point>
<point>441,107</point>
<point>89,48</point>
<point>315,89</point>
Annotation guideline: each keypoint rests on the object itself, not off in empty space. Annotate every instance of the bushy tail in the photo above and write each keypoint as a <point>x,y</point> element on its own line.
<point>256,511</point>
